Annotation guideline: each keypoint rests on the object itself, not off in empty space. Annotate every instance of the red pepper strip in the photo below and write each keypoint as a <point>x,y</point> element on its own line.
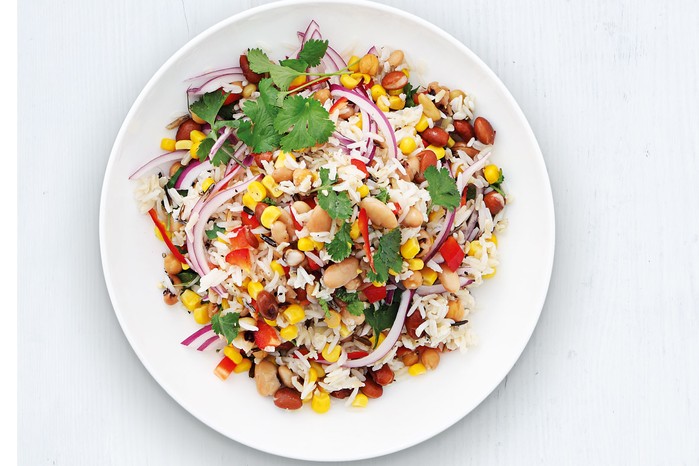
<point>337,104</point>
<point>356,354</point>
<point>360,165</point>
<point>297,225</point>
<point>161,228</point>
<point>452,253</point>
<point>364,228</point>
<point>375,293</point>
<point>224,368</point>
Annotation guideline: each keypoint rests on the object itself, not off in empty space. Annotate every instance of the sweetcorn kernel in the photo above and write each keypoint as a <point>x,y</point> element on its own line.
<point>233,354</point>
<point>243,366</point>
<point>438,151</point>
<point>417,369</point>
<point>289,333</point>
<point>360,401</point>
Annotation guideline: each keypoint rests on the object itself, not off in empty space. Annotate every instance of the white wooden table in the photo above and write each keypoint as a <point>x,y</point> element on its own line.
<point>611,375</point>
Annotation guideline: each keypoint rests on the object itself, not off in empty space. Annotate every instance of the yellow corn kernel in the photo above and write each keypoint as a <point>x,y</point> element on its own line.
<point>438,151</point>
<point>422,124</point>
<point>294,314</point>
<point>320,402</point>
<point>377,91</point>
<point>490,275</point>
<point>372,339</point>
<point>396,92</point>
<point>312,375</point>
<point>417,369</point>
<point>206,184</point>
<point>429,276</point>
<point>246,282</point>
<point>410,248</point>
<point>407,145</point>
<point>354,230</point>
<point>271,323</point>
<point>344,331</point>
<point>243,366</point>
<point>185,266</point>
<point>270,215</point>
<point>363,191</point>
<point>183,144</point>
<point>318,367</point>
<point>435,215</point>
<point>298,81</point>
<point>196,136</point>
<point>475,249</point>
<point>406,72</point>
<point>201,314</point>
<point>190,299</point>
<point>359,122</point>
<point>306,244</point>
<point>281,159</point>
<point>416,264</point>
<point>493,239</point>
<point>392,272</point>
<point>318,245</point>
<point>167,144</point>
<point>362,77</point>
<point>450,142</point>
<point>360,401</point>
<point>333,319</point>
<point>249,202</point>
<point>224,304</point>
<point>233,354</point>
<point>379,284</point>
<point>194,150</point>
<point>353,63</point>
<point>492,173</point>
<point>257,191</point>
<point>254,289</point>
<point>277,267</point>
<point>331,356</point>
<point>348,81</point>
<point>382,103</point>
<point>272,187</point>
<point>396,103</point>
<point>289,333</point>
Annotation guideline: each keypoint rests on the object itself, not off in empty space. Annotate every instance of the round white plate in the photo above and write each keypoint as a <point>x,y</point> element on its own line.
<point>415,408</point>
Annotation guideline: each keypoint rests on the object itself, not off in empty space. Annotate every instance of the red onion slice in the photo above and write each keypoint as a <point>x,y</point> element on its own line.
<point>435,289</point>
<point>315,259</point>
<point>156,162</point>
<point>208,343</point>
<point>442,236</point>
<point>219,142</point>
<point>202,331</point>
<point>464,176</point>
<point>364,103</point>
<point>191,173</point>
<point>390,339</point>
<point>215,83</point>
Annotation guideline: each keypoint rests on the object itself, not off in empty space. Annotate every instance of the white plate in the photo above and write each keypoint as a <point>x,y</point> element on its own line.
<point>412,410</point>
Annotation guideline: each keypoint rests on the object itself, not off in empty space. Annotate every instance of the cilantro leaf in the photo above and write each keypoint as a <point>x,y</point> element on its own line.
<point>282,76</point>
<point>204,148</point>
<point>213,233</point>
<point>188,278</point>
<point>306,120</point>
<point>324,304</point>
<point>269,201</point>
<point>382,195</point>
<point>442,187</point>
<point>337,205</point>
<point>409,92</point>
<point>223,155</point>
<point>295,64</point>
<point>382,318</point>
<point>259,132</point>
<point>496,186</point>
<point>259,61</point>
<point>470,192</point>
<point>387,257</point>
<point>341,245</point>
<point>313,50</point>
<point>226,325</point>
<point>173,179</point>
<point>208,106</point>
<point>351,299</point>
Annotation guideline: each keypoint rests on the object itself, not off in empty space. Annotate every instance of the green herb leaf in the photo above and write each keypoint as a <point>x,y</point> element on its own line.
<point>496,186</point>
<point>341,245</point>
<point>351,299</point>
<point>387,257</point>
<point>173,179</point>
<point>442,187</point>
<point>188,278</point>
<point>337,205</point>
<point>283,76</point>
<point>307,122</point>
<point>382,318</point>
<point>313,50</point>
<point>409,92</point>
<point>382,195</point>
<point>213,233</point>
<point>324,304</point>
<point>470,192</point>
<point>223,155</point>
<point>204,148</point>
<point>259,61</point>
<point>269,201</point>
<point>226,325</point>
<point>208,105</point>
<point>259,132</point>
<point>295,64</point>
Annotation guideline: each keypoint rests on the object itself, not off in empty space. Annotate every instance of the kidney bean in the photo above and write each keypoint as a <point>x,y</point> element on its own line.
<point>371,389</point>
<point>287,398</point>
<point>383,376</point>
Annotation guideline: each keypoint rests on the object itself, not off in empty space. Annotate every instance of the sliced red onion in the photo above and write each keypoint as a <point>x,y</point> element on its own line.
<point>202,331</point>
<point>373,50</point>
<point>215,83</point>
<point>343,139</point>
<point>371,147</point>
<point>336,57</point>
<point>464,176</point>
<point>237,155</point>
<point>191,173</point>
<point>390,339</point>
<point>217,73</point>
<point>219,142</point>
<point>208,343</point>
<point>315,258</point>
<point>156,162</point>
<point>435,289</point>
<point>442,236</point>
<point>366,104</point>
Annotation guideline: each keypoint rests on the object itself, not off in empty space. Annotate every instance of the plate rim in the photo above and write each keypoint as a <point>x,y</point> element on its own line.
<point>540,300</point>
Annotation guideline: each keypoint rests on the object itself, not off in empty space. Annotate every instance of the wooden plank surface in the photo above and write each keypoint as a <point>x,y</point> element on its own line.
<point>611,375</point>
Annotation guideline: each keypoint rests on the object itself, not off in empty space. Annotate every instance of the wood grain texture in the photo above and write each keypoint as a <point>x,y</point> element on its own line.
<point>611,375</point>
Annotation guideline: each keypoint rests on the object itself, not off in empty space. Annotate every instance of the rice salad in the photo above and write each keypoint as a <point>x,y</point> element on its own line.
<point>325,220</point>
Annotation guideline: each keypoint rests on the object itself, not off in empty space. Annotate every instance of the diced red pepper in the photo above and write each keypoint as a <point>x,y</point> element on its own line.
<point>224,368</point>
<point>364,229</point>
<point>266,335</point>
<point>163,232</point>
<point>452,253</point>
<point>243,238</point>
<point>312,265</point>
<point>297,225</point>
<point>240,258</point>
<point>249,220</point>
<point>397,209</point>
<point>374,293</point>
<point>230,98</point>
<point>357,354</point>
<point>360,165</point>
<point>338,104</point>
